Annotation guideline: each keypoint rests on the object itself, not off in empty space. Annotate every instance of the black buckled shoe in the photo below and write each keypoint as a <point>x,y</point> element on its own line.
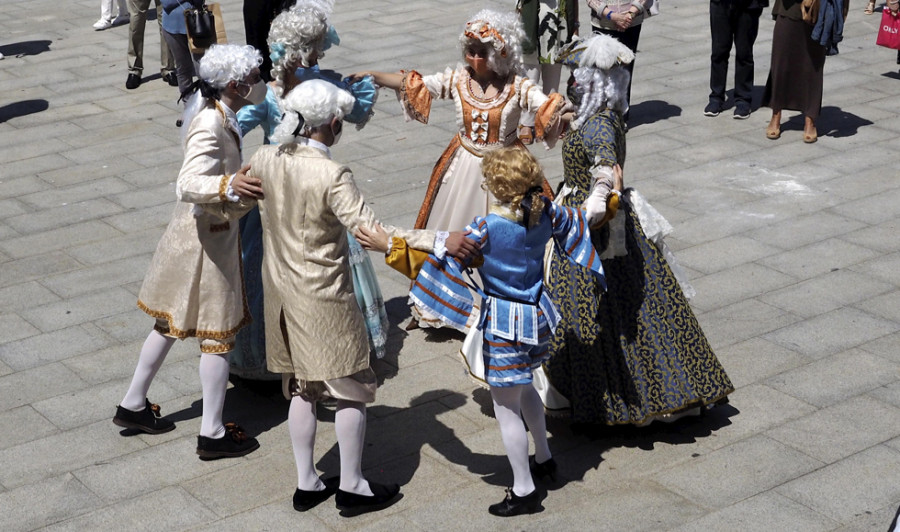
<point>515,505</point>
<point>351,504</point>
<point>543,471</point>
<point>306,500</point>
<point>235,443</point>
<point>148,420</point>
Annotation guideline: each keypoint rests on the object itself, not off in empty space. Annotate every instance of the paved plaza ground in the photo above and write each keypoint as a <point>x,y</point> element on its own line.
<point>794,251</point>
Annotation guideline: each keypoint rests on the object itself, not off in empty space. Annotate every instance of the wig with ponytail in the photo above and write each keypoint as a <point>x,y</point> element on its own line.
<point>515,178</point>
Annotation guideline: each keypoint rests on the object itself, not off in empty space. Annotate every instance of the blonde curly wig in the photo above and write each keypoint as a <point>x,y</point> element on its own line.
<point>510,174</point>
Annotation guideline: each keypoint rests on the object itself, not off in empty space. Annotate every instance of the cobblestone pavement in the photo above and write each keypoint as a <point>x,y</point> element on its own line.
<point>794,251</point>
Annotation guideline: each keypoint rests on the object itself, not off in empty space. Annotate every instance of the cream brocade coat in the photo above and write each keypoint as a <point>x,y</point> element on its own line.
<point>194,281</point>
<point>310,203</point>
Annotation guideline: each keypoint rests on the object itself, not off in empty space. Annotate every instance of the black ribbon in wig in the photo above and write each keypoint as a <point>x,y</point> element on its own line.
<point>527,202</point>
<point>206,90</point>
<point>300,123</point>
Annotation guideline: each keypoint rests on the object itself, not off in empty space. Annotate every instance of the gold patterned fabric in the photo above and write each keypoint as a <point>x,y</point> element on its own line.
<point>635,351</point>
<point>310,204</point>
<point>194,281</point>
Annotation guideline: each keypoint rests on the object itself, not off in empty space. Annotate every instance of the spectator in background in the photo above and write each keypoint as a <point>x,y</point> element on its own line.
<point>258,17</point>
<point>175,35</point>
<point>107,19</point>
<point>137,10</point>
<point>732,21</point>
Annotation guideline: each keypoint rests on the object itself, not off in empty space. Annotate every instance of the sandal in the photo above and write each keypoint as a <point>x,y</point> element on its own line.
<point>870,7</point>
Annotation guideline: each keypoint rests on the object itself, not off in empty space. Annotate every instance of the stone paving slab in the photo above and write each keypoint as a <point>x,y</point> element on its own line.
<point>792,248</point>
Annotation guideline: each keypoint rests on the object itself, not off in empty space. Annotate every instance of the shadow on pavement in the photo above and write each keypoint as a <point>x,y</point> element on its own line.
<point>651,111</point>
<point>21,49</point>
<point>23,108</point>
<point>832,122</point>
<point>257,406</point>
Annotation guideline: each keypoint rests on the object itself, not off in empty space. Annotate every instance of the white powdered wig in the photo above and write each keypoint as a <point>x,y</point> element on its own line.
<point>601,77</point>
<point>317,102</point>
<point>503,33</point>
<point>603,52</point>
<point>296,36</point>
<point>228,62</point>
<point>221,64</point>
<point>325,6</point>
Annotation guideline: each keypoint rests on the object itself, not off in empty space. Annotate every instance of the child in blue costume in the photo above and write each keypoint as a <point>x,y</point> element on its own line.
<point>297,40</point>
<point>519,317</point>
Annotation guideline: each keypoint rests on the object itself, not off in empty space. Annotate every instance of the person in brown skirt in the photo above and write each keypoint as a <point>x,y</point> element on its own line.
<point>795,74</point>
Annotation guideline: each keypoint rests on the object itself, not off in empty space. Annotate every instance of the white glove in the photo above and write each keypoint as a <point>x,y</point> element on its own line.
<point>595,204</point>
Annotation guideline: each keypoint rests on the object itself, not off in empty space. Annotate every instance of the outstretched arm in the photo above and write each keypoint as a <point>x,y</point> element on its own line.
<point>390,80</point>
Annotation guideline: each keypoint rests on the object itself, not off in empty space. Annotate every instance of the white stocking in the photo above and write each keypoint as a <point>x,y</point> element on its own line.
<point>153,353</point>
<point>302,427</point>
<point>533,412</point>
<point>214,382</point>
<point>507,408</point>
<point>350,425</point>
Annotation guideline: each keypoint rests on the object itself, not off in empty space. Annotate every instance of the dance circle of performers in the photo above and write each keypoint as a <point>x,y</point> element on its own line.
<point>572,303</point>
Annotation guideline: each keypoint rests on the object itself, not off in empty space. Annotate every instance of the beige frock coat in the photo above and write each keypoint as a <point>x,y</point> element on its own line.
<point>194,282</point>
<point>310,203</point>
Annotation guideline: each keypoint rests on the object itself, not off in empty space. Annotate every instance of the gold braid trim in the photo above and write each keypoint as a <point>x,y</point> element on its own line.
<point>216,349</point>
<point>223,188</point>
<point>181,334</point>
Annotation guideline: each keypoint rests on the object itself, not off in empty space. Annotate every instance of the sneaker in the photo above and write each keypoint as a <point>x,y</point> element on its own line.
<point>713,109</point>
<point>148,420</point>
<point>121,19</point>
<point>742,111</point>
<point>235,443</point>
<point>103,24</point>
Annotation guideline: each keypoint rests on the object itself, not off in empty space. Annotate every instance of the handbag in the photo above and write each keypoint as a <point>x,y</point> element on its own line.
<point>809,10</point>
<point>889,31</point>
<point>201,26</point>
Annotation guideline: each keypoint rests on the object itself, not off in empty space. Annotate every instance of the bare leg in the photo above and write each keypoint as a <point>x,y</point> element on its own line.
<point>773,131</point>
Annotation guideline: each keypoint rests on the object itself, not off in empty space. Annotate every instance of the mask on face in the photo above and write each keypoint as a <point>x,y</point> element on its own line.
<point>257,93</point>
<point>478,64</point>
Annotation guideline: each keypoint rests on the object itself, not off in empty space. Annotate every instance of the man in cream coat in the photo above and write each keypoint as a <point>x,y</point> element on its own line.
<point>193,286</point>
<point>315,334</point>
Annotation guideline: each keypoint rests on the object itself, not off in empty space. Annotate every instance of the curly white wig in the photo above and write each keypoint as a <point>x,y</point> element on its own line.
<point>601,77</point>
<point>228,62</point>
<point>221,64</point>
<point>317,101</point>
<point>503,33</point>
<point>296,35</point>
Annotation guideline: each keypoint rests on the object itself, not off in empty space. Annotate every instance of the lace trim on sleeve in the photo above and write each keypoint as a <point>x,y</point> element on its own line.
<point>415,99</point>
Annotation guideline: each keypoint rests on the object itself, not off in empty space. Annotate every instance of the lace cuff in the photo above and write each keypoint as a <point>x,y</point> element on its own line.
<point>230,194</point>
<point>415,99</point>
<point>440,239</point>
<point>547,120</point>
